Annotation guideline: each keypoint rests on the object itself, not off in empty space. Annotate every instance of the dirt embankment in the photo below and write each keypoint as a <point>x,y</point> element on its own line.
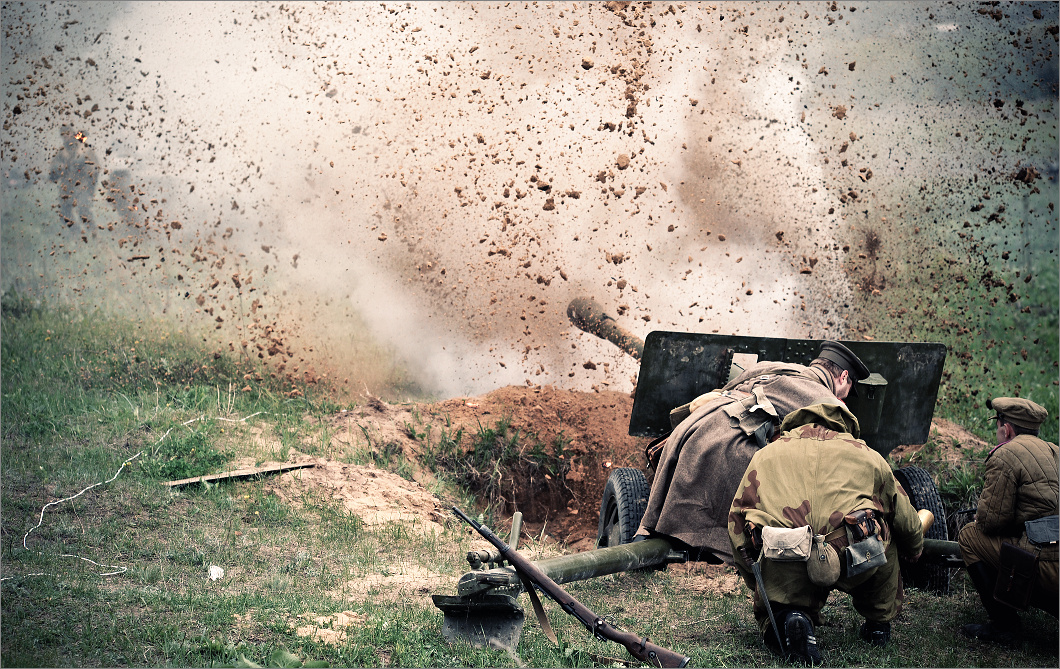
<point>591,426</point>
<point>580,437</point>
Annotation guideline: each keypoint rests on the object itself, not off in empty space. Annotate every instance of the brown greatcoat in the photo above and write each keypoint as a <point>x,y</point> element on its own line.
<point>707,453</point>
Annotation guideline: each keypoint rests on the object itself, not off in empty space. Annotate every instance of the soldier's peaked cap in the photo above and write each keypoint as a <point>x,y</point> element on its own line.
<point>845,358</point>
<point>1019,411</point>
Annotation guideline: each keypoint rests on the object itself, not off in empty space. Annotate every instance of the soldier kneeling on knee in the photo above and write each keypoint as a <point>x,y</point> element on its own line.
<point>818,510</point>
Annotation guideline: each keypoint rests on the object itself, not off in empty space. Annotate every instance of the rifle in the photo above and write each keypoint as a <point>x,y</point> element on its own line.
<point>640,648</point>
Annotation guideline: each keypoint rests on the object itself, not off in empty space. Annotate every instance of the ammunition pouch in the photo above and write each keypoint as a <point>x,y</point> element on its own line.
<point>787,544</point>
<point>861,525</point>
<point>754,415</point>
<point>865,550</point>
<point>1043,531</point>
<point>1017,572</point>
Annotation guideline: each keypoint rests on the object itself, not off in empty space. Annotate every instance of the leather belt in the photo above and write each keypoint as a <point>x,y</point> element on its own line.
<point>837,538</point>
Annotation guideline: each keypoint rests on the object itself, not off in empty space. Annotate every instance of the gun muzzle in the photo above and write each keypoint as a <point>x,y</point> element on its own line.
<point>480,557</point>
<point>586,314</point>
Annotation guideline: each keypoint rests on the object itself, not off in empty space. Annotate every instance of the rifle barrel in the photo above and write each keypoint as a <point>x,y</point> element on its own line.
<point>639,647</point>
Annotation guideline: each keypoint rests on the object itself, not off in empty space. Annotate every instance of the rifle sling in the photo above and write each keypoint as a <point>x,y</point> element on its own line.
<point>547,628</point>
<point>538,610</point>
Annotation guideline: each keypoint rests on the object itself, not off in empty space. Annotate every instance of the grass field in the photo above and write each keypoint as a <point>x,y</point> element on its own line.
<point>83,394</point>
<point>986,287</point>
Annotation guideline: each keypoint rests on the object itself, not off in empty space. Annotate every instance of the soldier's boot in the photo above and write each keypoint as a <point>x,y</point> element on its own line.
<point>799,641</point>
<point>1003,626</point>
<point>876,633</point>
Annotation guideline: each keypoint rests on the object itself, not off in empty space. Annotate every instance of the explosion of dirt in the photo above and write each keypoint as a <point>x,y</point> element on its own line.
<point>403,197</point>
<point>310,184</point>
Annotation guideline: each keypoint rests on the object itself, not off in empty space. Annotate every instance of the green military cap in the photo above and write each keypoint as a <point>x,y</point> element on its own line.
<point>1018,411</point>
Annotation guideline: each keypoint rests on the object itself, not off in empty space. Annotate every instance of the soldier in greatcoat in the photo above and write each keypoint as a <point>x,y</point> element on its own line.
<point>1017,508</point>
<point>853,519</point>
<point>707,453</point>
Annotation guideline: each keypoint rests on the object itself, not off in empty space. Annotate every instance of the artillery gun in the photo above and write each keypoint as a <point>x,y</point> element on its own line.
<point>894,406</point>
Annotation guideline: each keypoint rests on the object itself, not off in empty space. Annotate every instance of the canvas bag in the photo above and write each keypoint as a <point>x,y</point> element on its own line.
<point>1017,574</point>
<point>785,544</point>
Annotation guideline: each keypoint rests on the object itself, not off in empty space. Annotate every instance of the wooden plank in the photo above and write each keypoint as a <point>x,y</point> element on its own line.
<point>238,474</point>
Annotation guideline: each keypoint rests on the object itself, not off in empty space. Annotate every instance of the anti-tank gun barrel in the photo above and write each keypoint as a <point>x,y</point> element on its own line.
<point>588,315</point>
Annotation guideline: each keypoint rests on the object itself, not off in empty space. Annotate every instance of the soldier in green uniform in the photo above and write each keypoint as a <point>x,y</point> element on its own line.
<point>1020,488</point>
<point>817,476</point>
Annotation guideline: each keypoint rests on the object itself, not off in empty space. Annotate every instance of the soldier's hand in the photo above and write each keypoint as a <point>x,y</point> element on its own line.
<point>912,558</point>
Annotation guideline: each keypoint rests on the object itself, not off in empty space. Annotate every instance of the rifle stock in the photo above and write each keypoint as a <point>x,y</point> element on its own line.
<point>639,647</point>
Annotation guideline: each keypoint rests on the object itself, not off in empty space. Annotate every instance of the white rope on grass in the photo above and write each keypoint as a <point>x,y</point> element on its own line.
<point>40,522</point>
<point>120,570</point>
<point>202,418</point>
<point>184,424</point>
<point>241,420</point>
<point>67,499</point>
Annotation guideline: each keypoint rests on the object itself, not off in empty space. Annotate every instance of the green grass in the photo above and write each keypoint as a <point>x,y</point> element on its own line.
<point>493,453</point>
<point>989,290</point>
<point>78,402</point>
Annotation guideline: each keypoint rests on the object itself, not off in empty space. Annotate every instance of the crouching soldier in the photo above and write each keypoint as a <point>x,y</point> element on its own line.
<point>1010,551</point>
<point>818,510</point>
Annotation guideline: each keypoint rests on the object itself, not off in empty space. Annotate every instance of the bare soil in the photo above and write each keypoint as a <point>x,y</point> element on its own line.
<point>952,443</point>
<point>596,425</point>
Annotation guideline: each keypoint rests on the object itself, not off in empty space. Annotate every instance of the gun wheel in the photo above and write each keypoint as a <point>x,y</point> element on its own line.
<point>923,494</point>
<point>625,499</point>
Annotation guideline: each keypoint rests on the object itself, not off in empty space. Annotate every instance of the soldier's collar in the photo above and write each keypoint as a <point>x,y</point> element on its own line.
<point>824,377</point>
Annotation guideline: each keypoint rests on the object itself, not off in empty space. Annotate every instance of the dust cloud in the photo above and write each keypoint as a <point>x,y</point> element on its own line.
<point>405,196</point>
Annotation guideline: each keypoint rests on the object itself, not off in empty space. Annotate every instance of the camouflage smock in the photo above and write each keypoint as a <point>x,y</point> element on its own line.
<point>707,453</point>
<point>814,476</point>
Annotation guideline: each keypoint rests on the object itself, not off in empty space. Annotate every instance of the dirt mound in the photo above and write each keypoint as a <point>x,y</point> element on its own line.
<point>594,428</point>
<point>951,443</point>
<point>374,495</point>
<point>584,435</point>
<point>591,429</point>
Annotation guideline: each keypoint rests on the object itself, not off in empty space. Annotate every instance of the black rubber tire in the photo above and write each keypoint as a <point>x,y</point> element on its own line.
<point>625,499</point>
<point>923,494</point>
